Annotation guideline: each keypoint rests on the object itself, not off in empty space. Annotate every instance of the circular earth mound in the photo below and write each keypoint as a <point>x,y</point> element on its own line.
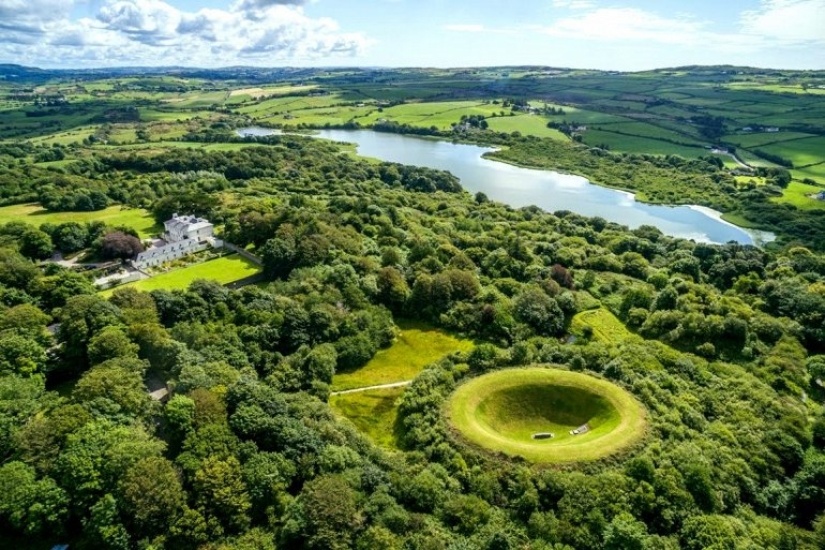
<point>589,418</point>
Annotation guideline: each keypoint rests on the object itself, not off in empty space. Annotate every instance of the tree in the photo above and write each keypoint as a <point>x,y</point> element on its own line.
<point>625,533</point>
<point>120,245</point>
<point>152,495</point>
<point>103,528</point>
<point>114,388</point>
<point>328,512</point>
<point>540,311</point>
<point>15,270</point>
<point>36,244</point>
<point>110,343</point>
<point>80,319</point>
<point>219,491</point>
<point>392,288</point>
<point>97,455</point>
<point>71,237</point>
<point>30,505</point>
<point>21,355</point>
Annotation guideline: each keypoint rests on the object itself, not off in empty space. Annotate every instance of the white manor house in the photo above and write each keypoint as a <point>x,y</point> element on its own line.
<point>182,235</point>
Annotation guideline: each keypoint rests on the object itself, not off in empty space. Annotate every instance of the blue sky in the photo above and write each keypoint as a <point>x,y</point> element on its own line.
<point>602,34</point>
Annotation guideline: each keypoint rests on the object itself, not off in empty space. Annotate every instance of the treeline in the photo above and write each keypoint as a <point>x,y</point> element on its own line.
<point>776,159</point>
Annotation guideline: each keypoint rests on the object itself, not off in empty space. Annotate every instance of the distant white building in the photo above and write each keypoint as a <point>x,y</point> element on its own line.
<point>184,235</point>
<point>180,228</point>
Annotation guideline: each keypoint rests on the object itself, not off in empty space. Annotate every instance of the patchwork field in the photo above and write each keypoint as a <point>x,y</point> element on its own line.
<point>222,270</point>
<point>138,219</point>
<point>582,418</point>
<point>416,346</point>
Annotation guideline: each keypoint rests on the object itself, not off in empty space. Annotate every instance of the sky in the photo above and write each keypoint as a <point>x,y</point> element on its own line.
<point>624,35</point>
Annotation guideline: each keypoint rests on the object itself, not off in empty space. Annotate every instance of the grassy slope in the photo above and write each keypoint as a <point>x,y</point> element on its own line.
<point>417,345</point>
<point>606,327</point>
<point>223,270</point>
<point>373,412</point>
<point>798,193</point>
<point>136,218</point>
<point>528,125</point>
<point>620,426</point>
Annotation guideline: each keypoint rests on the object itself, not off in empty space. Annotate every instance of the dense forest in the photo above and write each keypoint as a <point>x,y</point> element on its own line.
<point>727,353</point>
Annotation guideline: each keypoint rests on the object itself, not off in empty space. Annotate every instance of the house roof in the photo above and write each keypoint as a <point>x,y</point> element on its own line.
<point>187,223</point>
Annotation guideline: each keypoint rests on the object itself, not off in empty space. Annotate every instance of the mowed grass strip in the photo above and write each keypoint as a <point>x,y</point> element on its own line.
<point>500,411</point>
<point>416,346</point>
<point>222,270</point>
<point>138,219</point>
<point>606,327</point>
<point>373,412</point>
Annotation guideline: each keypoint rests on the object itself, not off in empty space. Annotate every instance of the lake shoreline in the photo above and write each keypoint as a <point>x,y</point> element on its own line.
<point>760,236</point>
<point>480,170</point>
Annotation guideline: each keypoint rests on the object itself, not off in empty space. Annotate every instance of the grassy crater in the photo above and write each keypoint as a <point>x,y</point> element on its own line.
<point>501,411</point>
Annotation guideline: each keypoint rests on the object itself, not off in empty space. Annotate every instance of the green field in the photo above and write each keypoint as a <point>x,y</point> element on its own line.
<point>801,152</point>
<point>606,327</point>
<point>798,194</point>
<point>758,139</point>
<point>223,270</point>
<point>501,411</point>
<point>417,345</point>
<point>528,125</point>
<point>635,144</point>
<point>138,219</point>
<point>373,412</point>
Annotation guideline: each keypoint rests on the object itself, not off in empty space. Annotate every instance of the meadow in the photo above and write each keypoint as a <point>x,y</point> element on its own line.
<point>137,218</point>
<point>798,194</point>
<point>605,326</point>
<point>222,270</point>
<point>416,346</point>
<point>528,125</point>
<point>373,412</point>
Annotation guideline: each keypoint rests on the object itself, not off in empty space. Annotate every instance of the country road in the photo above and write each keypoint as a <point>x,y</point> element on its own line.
<point>379,387</point>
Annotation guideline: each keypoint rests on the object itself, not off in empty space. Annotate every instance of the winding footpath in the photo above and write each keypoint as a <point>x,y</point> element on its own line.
<point>378,387</point>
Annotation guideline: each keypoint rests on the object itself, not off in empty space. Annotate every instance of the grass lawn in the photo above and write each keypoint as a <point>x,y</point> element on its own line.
<point>137,218</point>
<point>417,346</point>
<point>223,270</point>
<point>798,193</point>
<point>373,412</point>
<point>501,411</point>
<point>606,327</point>
<point>528,125</point>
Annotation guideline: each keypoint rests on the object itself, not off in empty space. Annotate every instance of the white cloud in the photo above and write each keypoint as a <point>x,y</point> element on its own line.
<point>790,21</point>
<point>152,32</point>
<point>775,23</point>
<point>614,24</point>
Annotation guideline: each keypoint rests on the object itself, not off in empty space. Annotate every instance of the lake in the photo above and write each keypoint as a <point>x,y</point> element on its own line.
<point>550,191</point>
